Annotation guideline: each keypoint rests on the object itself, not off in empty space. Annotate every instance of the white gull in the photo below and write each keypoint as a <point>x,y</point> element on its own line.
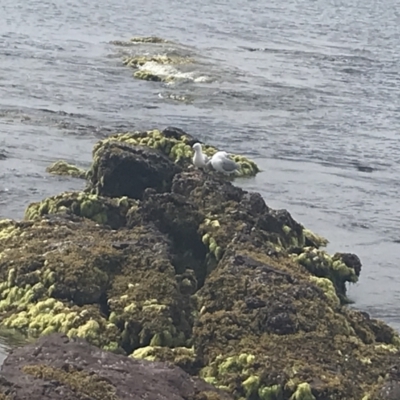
<point>200,159</point>
<point>221,162</point>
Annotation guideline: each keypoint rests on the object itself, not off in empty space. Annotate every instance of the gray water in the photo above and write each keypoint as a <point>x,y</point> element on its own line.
<point>309,89</point>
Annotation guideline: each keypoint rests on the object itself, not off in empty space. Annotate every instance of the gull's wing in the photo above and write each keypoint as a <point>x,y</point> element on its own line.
<point>229,165</point>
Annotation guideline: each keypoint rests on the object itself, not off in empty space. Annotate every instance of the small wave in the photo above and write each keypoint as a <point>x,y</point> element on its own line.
<point>168,71</point>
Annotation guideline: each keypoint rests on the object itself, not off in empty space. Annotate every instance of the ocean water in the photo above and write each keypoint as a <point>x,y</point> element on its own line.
<point>310,90</point>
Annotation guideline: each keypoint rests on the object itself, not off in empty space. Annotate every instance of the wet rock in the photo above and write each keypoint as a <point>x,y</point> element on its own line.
<point>120,169</point>
<point>56,367</point>
<point>64,169</point>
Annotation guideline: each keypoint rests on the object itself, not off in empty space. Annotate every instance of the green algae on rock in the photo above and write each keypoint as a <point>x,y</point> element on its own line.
<point>321,264</point>
<point>176,144</point>
<point>110,211</point>
<point>263,325</point>
<point>183,357</point>
<point>66,274</point>
<point>63,168</point>
<point>195,271</point>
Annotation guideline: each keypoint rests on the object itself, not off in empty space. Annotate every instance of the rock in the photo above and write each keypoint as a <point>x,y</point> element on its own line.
<point>121,169</point>
<point>265,327</point>
<point>174,143</point>
<point>63,168</point>
<point>56,367</point>
<point>117,289</point>
<point>189,269</point>
<point>103,210</point>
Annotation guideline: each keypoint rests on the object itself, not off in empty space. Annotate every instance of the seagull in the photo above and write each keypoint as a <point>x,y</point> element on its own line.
<point>221,162</point>
<point>200,159</point>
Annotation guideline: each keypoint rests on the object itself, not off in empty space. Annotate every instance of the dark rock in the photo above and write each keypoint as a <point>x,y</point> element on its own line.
<point>56,367</point>
<point>351,260</point>
<point>121,169</point>
<point>179,134</point>
<point>255,302</point>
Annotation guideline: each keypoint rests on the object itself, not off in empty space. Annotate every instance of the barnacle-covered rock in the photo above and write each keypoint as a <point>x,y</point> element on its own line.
<point>63,168</point>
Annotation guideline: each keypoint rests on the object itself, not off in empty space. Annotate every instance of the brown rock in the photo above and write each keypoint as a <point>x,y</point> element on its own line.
<point>56,367</point>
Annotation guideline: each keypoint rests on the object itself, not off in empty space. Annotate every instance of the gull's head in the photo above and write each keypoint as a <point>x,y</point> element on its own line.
<point>196,147</point>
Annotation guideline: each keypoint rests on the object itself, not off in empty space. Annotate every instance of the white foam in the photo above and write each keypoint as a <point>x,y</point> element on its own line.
<point>165,70</point>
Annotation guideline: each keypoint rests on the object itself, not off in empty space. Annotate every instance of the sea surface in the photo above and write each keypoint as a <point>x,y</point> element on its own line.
<point>308,89</point>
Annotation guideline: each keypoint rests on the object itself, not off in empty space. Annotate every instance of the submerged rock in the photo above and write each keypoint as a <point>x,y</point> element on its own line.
<point>146,75</point>
<point>56,367</point>
<point>63,168</point>
<point>162,59</point>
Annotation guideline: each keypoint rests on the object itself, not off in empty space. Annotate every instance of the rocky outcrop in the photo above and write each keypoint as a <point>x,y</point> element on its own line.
<point>123,169</point>
<point>160,261</point>
<point>56,367</point>
<point>173,143</point>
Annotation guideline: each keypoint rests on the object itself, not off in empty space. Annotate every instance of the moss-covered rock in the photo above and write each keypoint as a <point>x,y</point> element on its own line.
<point>263,324</point>
<point>321,264</point>
<point>103,210</point>
<point>190,269</point>
<point>183,357</point>
<point>63,168</point>
<point>115,288</point>
<point>174,143</point>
